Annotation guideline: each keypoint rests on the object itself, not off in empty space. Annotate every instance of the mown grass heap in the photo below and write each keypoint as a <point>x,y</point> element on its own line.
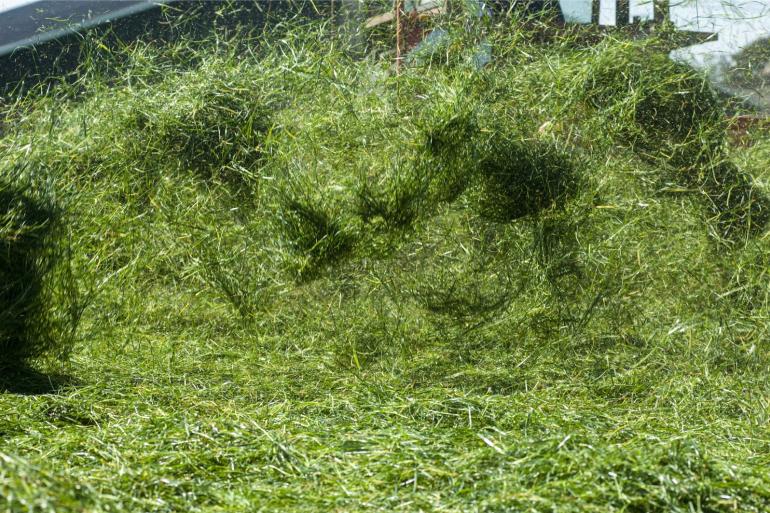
<point>316,284</point>
<point>37,306</point>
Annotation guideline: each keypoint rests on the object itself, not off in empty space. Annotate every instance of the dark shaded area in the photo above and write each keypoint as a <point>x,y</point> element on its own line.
<point>398,199</point>
<point>314,232</point>
<point>49,62</point>
<point>752,66</point>
<point>28,381</point>
<point>27,256</point>
<point>682,120</point>
<point>676,111</point>
<point>527,7</point>
<point>397,205</point>
<point>452,146</point>
<point>671,116</point>
<point>227,126</point>
<point>670,97</point>
<point>37,18</point>
<point>521,178</point>
<point>739,209</point>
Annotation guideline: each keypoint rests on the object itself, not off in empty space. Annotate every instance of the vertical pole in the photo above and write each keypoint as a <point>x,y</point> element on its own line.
<point>622,13</point>
<point>398,7</point>
<point>661,11</point>
<point>595,9</point>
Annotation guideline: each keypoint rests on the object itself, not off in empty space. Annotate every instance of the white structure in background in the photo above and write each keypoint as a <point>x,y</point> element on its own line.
<point>581,11</point>
<point>6,5</point>
<point>736,24</point>
<point>576,11</point>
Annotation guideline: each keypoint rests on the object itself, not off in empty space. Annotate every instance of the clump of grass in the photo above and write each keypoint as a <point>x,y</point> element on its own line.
<point>524,177</point>
<point>386,329</point>
<point>666,111</point>
<point>33,276</point>
<point>673,116</point>
<point>748,71</point>
<point>465,291</point>
<point>228,263</point>
<point>316,233</point>
<point>213,130</point>
<point>451,130</point>
<point>397,198</point>
<point>556,248</point>
<point>740,209</point>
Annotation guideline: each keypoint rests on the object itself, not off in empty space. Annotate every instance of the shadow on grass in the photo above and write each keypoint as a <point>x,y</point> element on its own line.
<point>29,381</point>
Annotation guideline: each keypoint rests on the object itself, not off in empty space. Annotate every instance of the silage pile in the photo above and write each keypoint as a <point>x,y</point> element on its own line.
<point>565,230</point>
<point>572,194</point>
<point>38,300</point>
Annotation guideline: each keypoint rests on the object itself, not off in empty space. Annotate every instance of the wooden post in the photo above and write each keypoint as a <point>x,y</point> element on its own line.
<point>398,6</point>
<point>661,10</point>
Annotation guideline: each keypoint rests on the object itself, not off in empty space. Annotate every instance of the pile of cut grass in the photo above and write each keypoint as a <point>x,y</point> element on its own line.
<point>317,284</point>
<point>39,303</point>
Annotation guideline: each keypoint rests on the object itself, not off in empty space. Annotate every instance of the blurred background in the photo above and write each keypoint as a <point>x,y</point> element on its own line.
<point>42,38</point>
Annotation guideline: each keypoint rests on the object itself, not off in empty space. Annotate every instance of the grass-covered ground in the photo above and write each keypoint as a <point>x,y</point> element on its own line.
<point>288,279</point>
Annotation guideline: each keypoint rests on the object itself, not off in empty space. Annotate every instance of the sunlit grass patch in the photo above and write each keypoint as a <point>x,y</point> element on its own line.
<point>317,284</point>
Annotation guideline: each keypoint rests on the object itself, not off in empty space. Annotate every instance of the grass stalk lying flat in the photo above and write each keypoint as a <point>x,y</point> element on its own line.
<point>317,285</point>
